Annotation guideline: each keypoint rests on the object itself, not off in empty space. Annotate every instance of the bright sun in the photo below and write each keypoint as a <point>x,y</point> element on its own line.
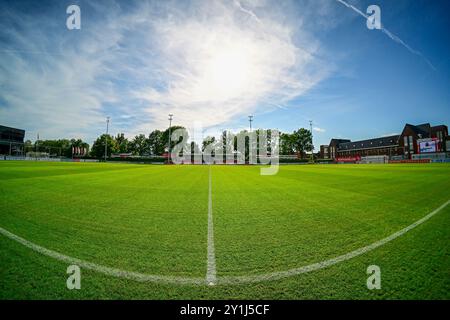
<point>229,72</point>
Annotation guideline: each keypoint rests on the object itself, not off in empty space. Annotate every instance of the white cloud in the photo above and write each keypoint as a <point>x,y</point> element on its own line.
<point>226,62</point>
<point>390,134</point>
<point>317,129</point>
<point>211,61</point>
<point>51,84</point>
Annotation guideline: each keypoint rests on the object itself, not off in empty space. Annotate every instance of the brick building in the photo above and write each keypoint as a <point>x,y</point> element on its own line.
<point>414,140</point>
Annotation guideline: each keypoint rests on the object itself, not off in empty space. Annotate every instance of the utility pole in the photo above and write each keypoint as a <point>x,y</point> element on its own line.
<point>312,145</point>
<point>170,133</point>
<point>250,120</point>
<point>106,137</point>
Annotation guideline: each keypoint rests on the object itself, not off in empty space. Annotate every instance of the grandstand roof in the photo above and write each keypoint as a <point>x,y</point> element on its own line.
<point>338,141</point>
<point>370,143</point>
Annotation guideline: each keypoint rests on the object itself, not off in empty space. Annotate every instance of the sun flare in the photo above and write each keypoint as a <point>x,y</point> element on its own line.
<point>229,72</point>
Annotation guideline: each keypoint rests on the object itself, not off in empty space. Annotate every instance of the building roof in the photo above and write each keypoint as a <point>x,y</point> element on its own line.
<point>422,130</point>
<point>10,135</point>
<point>370,143</point>
<point>338,141</point>
<point>10,129</point>
<point>439,127</point>
<point>425,127</point>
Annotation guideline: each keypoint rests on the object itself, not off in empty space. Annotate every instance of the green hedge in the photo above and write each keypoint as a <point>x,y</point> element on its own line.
<point>138,160</point>
<point>163,160</point>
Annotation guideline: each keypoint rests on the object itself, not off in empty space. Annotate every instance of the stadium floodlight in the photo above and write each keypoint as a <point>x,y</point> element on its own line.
<point>250,119</point>
<point>170,126</point>
<point>106,137</point>
<point>312,145</point>
<point>36,147</point>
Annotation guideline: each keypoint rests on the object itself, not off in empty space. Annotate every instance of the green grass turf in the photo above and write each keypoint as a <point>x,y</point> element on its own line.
<point>153,219</point>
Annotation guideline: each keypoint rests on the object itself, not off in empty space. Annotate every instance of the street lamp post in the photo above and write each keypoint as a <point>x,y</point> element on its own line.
<point>106,137</point>
<point>170,133</point>
<point>250,120</point>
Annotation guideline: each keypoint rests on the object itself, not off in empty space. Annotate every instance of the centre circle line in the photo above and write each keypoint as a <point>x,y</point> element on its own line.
<point>211,277</point>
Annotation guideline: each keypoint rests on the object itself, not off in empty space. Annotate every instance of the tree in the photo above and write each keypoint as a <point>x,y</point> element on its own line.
<point>263,136</point>
<point>98,148</point>
<point>165,137</point>
<point>302,141</point>
<point>244,134</point>
<point>122,143</point>
<point>139,146</point>
<point>155,142</point>
<point>73,143</point>
<point>57,148</point>
<point>28,146</point>
<point>207,141</point>
<point>286,143</point>
<point>195,149</point>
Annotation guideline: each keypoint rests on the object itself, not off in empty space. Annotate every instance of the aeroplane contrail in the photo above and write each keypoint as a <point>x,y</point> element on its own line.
<point>389,34</point>
<point>249,12</point>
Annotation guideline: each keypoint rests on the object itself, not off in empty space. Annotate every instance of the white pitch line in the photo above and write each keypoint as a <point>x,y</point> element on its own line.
<point>211,263</point>
<point>140,277</point>
<point>136,276</point>
<point>326,263</point>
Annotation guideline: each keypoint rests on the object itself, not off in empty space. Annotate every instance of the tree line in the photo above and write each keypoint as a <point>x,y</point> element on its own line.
<point>156,144</point>
<point>56,148</point>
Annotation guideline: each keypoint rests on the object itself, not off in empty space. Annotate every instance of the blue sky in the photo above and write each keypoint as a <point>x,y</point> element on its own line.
<point>212,63</point>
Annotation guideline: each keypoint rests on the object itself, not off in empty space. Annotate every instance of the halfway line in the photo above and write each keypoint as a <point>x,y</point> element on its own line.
<point>211,264</point>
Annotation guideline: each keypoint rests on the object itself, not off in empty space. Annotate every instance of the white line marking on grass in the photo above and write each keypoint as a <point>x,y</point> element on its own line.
<point>211,264</point>
<point>326,263</point>
<point>140,277</point>
<point>136,276</point>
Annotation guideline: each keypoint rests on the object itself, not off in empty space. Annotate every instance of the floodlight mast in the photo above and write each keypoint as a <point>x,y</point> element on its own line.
<point>106,137</point>
<point>170,133</point>
<point>312,145</point>
<point>250,120</point>
<point>36,147</point>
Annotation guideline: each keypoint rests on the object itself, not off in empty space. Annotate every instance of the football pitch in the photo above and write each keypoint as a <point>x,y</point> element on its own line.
<point>224,232</point>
